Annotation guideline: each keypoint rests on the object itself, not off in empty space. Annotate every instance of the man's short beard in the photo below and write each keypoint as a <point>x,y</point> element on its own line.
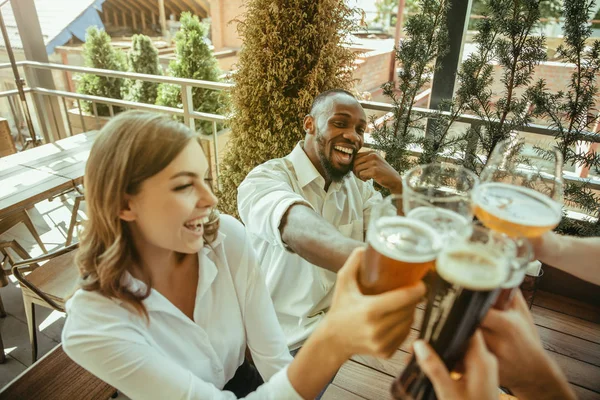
<point>334,174</point>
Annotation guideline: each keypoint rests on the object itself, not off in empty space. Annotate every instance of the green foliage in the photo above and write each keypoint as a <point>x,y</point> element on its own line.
<point>389,9</point>
<point>425,41</point>
<point>572,112</point>
<point>143,59</point>
<point>194,60</point>
<point>99,53</point>
<point>596,25</point>
<point>292,51</point>
<point>505,37</point>
<point>548,9</point>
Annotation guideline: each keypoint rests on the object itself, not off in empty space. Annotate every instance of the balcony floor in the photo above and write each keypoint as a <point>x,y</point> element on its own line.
<point>570,330</point>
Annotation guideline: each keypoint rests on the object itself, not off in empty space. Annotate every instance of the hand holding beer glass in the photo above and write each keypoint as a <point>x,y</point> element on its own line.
<point>470,273</point>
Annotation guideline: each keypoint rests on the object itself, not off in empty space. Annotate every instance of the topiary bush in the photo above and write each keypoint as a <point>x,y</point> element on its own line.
<point>194,60</point>
<point>142,58</point>
<point>98,52</point>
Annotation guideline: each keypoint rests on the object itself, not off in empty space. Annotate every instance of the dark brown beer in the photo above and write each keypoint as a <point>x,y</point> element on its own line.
<point>469,279</point>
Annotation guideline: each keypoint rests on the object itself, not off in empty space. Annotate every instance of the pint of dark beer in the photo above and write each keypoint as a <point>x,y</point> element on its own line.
<point>470,274</point>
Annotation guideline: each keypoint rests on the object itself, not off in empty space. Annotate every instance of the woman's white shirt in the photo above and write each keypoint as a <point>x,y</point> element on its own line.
<point>174,357</point>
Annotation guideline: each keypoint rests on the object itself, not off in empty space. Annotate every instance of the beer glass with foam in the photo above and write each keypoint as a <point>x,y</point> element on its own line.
<point>516,198</point>
<point>400,250</point>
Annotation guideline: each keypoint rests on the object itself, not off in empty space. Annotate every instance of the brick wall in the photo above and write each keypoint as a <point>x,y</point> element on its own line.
<point>372,70</point>
<point>557,76</point>
<point>223,30</point>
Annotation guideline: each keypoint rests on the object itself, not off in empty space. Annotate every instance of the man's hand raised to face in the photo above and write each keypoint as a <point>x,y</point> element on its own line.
<point>371,165</point>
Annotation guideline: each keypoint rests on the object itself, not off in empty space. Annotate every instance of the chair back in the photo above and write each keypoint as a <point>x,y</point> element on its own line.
<point>7,144</point>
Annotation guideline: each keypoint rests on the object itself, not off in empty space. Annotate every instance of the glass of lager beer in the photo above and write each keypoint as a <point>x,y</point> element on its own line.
<point>517,199</point>
<point>470,272</point>
<point>400,250</point>
<point>440,195</point>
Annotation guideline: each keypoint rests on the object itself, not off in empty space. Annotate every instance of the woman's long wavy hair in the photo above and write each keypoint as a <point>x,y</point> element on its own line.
<point>131,148</point>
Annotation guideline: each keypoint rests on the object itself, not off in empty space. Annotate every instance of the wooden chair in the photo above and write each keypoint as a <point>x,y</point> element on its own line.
<point>21,217</point>
<point>8,259</point>
<point>74,222</point>
<point>7,144</point>
<point>56,377</point>
<point>48,285</point>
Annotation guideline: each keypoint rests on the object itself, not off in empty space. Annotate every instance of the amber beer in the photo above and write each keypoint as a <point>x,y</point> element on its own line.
<point>515,210</point>
<point>400,252</point>
<point>470,275</point>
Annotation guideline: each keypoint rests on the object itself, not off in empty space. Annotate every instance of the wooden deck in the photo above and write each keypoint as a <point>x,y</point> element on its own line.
<point>570,332</point>
<point>569,329</point>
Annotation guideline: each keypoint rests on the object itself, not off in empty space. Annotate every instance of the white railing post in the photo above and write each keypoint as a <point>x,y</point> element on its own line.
<point>216,149</point>
<point>188,106</point>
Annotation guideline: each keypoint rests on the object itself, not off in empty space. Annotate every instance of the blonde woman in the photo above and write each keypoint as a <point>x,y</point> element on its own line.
<point>164,314</point>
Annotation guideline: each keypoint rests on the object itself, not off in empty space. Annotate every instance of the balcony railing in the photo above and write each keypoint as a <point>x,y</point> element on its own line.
<point>190,116</point>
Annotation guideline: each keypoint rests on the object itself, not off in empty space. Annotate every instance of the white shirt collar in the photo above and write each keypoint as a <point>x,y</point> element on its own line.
<point>206,276</point>
<point>304,168</point>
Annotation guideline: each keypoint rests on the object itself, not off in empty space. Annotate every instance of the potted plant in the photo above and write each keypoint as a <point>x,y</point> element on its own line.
<point>142,58</point>
<point>98,52</point>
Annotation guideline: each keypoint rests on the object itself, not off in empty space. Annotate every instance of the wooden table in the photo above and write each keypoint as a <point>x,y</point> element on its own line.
<point>39,173</point>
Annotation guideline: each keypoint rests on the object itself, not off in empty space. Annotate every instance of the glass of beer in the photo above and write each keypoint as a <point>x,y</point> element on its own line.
<point>400,250</point>
<point>516,198</point>
<point>470,272</point>
<point>517,272</point>
<point>440,195</point>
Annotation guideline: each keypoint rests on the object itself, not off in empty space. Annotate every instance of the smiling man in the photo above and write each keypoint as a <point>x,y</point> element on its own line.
<point>307,211</point>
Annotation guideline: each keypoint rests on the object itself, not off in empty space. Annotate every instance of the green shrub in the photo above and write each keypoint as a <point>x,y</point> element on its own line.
<point>99,53</point>
<point>194,60</point>
<point>142,58</point>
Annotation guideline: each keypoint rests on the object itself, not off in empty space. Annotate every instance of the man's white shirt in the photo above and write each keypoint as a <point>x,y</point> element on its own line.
<point>300,290</point>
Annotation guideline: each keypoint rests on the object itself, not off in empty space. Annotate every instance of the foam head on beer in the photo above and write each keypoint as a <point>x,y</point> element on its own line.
<point>400,252</point>
<point>515,210</point>
<point>474,266</point>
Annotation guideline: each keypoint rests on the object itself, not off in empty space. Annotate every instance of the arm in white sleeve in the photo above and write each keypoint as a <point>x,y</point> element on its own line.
<point>265,338</point>
<point>263,199</point>
<point>112,349</point>
<point>371,198</point>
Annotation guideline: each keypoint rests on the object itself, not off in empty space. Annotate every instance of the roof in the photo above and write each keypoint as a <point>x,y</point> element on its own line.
<point>60,20</point>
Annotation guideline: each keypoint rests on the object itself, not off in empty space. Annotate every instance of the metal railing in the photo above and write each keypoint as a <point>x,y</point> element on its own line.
<point>537,129</point>
<point>187,112</point>
<point>190,115</point>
